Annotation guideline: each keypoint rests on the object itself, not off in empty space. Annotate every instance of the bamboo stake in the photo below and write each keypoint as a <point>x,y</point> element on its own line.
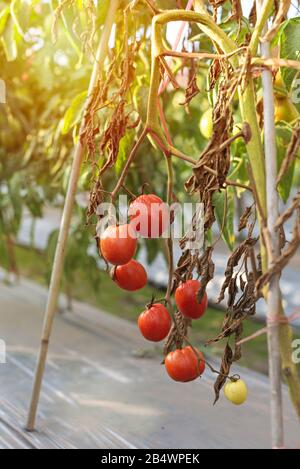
<point>274,296</point>
<point>65,225</point>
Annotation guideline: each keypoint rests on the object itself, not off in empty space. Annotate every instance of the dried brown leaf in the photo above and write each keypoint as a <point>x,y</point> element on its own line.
<point>253,15</point>
<point>192,89</point>
<point>227,361</point>
<point>283,9</point>
<point>206,270</point>
<point>245,218</point>
<point>290,153</point>
<point>214,73</point>
<point>210,172</point>
<point>233,261</point>
<point>281,261</point>
<point>288,213</point>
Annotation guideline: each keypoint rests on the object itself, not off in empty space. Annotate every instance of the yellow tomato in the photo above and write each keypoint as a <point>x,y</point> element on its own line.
<point>236,391</point>
<point>280,89</point>
<point>206,124</point>
<point>285,110</point>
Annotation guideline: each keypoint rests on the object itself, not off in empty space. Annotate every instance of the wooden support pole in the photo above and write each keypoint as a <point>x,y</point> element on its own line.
<point>65,225</point>
<point>274,296</point>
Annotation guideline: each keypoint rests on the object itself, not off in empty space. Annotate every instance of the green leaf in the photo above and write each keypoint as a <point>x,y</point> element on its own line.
<point>219,202</point>
<point>34,203</point>
<point>289,47</point>
<point>140,98</point>
<point>9,40</point>
<point>124,149</point>
<point>74,113</point>
<point>283,137</point>
<point>4,14</point>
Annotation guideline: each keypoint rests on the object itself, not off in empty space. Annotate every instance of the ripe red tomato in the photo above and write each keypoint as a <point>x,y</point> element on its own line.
<point>118,244</point>
<point>149,216</point>
<point>155,322</point>
<point>131,276</point>
<point>185,365</point>
<point>187,302</point>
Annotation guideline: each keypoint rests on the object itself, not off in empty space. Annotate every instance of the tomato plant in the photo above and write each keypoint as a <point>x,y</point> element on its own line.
<point>141,129</point>
<point>155,322</point>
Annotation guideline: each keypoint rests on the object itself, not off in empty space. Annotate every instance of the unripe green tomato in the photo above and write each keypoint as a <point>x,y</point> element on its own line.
<point>206,124</point>
<point>178,99</point>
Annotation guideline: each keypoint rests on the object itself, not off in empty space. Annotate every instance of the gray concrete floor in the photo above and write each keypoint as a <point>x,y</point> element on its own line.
<point>98,393</point>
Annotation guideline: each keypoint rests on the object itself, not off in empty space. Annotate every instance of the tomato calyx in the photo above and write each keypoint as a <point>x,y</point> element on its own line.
<point>234,378</point>
<point>146,184</point>
<point>153,301</point>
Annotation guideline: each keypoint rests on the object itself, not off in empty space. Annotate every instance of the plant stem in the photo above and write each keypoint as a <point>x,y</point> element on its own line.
<point>256,157</point>
<point>129,161</point>
<point>273,298</point>
<point>170,239</point>
<point>65,225</point>
<point>254,146</point>
<point>264,13</point>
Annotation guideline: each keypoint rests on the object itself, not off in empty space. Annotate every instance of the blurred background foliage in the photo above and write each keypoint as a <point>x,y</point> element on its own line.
<point>46,85</point>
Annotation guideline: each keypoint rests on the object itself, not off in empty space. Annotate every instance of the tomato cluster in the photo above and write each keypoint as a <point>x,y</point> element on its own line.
<point>149,217</point>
